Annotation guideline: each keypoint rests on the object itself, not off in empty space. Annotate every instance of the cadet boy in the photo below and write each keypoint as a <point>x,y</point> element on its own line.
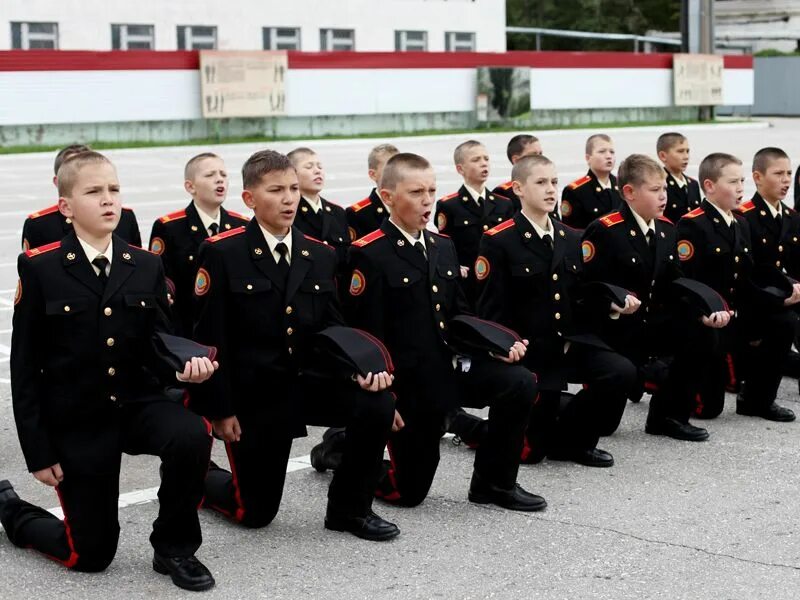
<point>176,237</point>
<point>467,213</point>
<point>404,289</point>
<point>635,248</point>
<point>518,147</point>
<point>365,216</point>
<point>529,272</point>
<point>261,291</point>
<point>48,225</point>
<point>715,248</point>
<point>596,193</point>
<point>683,192</point>
<point>87,387</point>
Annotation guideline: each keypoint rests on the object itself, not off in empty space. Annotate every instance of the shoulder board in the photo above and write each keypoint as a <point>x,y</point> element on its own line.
<point>237,215</point>
<point>181,214</point>
<point>789,210</point>
<point>664,219</point>
<point>226,234</point>
<point>315,240</point>
<point>129,210</point>
<point>43,212</point>
<point>502,227</point>
<point>747,206</point>
<point>143,249</point>
<point>369,238</point>
<point>444,235</point>
<point>612,219</point>
<point>507,185</point>
<point>360,204</point>
<point>448,197</point>
<point>695,213</point>
<point>42,249</point>
<point>579,182</point>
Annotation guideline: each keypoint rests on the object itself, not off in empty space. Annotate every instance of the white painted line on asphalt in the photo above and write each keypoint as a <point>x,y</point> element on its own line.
<point>4,380</point>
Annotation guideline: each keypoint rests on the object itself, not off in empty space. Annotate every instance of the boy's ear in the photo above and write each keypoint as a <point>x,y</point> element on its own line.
<point>587,156</point>
<point>386,196</point>
<point>460,170</point>
<point>758,177</point>
<point>55,180</point>
<point>373,174</point>
<point>517,187</point>
<point>662,156</point>
<point>707,186</point>
<point>247,197</point>
<point>64,207</point>
<point>627,191</point>
<point>188,185</point>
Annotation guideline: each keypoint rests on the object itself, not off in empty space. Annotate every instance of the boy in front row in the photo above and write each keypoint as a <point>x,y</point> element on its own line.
<point>87,387</point>
<point>404,289</point>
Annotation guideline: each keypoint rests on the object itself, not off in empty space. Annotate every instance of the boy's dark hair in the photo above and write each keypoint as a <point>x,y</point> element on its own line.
<point>668,140</point>
<point>191,164</point>
<point>590,141</point>
<point>522,170</point>
<point>261,163</point>
<point>765,157</point>
<point>70,167</point>
<point>517,144</point>
<point>458,153</point>
<point>378,153</point>
<point>298,153</point>
<point>397,165</point>
<point>712,165</point>
<point>635,169</point>
<point>66,152</point>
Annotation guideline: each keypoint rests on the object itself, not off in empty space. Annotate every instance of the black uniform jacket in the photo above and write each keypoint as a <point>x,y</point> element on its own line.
<point>49,225</point>
<point>585,200</point>
<point>681,199</point>
<point>507,190</point>
<point>774,242</point>
<point>329,225</point>
<point>365,216</point>
<point>79,349</point>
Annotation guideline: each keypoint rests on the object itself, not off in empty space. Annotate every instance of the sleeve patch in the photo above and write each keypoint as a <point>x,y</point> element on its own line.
<point>587,251</point>
<point>685,250</point>
<point>358,283</point>
<point>441,221</point>
<point>566,208</point>
<point>157,246</point>
<point>202,283</point>
<point>482,268</point>
<point>352,233</point>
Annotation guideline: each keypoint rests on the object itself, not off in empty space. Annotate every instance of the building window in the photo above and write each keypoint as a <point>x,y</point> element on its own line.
<point>34,36</point>
<point>281,38</point>
<point>132,37</point>
<point>459,41</point>
<point>406,41</point>
<point>197,37</point>
<point>337,39</point>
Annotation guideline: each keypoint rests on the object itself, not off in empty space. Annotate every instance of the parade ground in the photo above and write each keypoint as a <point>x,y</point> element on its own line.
<point>671,519</point>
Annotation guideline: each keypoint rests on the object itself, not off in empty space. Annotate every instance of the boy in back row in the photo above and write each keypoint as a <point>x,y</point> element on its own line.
<point>365,216</point>
<point>518,147</point>
<point>683,192</point>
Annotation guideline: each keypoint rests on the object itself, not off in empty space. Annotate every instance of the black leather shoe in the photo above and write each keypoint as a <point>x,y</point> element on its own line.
<point>7,492</point>
<point>773,412</point>
<point>328,454</point>
<point>372,527</point>
<point>593,457</point>
<point>676,430</point>
<point>514,499</point>
<point>186,572</point>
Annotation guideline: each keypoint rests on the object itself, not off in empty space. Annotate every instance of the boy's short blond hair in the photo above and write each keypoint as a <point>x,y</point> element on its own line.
<point>297,154</point>
<point>66,152</point>
<point>525,165</point>
<point>593,139</point>
<point>380,153</point>
<point>765,157</point>
<point>69,170</point>
<point>669,140</point>
<point>397,166</point>
<point>190,170</point>
<point>636,168</point>
<point>712,165</point>
<point>461,149</point>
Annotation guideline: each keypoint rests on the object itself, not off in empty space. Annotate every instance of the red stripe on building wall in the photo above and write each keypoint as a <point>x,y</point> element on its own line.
<point>143,60</point>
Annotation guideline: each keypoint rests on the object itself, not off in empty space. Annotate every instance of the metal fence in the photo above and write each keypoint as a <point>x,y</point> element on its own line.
<point>777,85</point>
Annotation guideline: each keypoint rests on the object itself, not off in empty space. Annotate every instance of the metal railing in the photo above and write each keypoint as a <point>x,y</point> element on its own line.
<point>619,37</point>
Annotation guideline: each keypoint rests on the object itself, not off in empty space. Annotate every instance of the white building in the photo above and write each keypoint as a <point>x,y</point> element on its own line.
<point>758,24</point>
<point>309,25</point>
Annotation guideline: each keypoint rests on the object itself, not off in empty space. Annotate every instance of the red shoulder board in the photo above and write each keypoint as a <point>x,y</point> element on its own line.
<point>790,210</point>
<point>369,238</point>
<point>42,249</point>
<point>226,234</point>
<point>237,215</point>
<point>448,197</point>
<point>142,249</point>
<point>315,240</point>
<point>502,227</point>
<point>579,182</point>
<point>665,220</point>
<point>173,216</point>
<point>507,185</point>
<point>129,210</point>
<point>44,211</point>
<point>360,204</point>
<point>612,219</point>
<point>444,235</point>
<point>747,206</point>
<point>695,213</point>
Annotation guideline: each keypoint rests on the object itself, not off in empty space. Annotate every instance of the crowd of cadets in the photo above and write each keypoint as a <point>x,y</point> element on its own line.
<point>592,282</point>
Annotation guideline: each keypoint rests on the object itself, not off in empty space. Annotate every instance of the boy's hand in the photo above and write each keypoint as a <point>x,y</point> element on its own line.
<point>464,271</point>
<point>398,423</point>
<point>795,297</point>
<point>376,382</point>
<point>51,476</point>
<point>632,304</point>
<point>717,320</point>
<point>516,353</point>
<point>228,429</point>
<point>197,370</point>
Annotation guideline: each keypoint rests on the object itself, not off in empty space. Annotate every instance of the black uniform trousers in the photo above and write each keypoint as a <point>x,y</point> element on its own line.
<point>508,390</point>
<point>86,539</point>
<point>564,423</point>
<point>251,492</point>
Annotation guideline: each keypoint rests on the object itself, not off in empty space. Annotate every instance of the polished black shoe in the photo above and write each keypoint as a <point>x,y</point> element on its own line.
<point>676,430</point>
<point>514,499</point>
<point>773,412</point>
<point>327,455</point>
<point>7,492</point>
<point>186,572</point>
<point>372,527</point>
<point>592,457</point>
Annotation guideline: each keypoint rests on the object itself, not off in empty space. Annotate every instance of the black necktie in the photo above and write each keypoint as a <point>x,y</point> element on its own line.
<point>548,241</point>
<point>418,246</point>
<point>651,242</point>
<point>101,262</point>
<point>213,228</point>
<point>283,261</point>
<point>481,202</point>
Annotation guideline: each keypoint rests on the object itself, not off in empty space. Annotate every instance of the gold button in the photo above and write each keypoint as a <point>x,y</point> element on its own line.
<point>112,371</point>
<point>290,350</point>
<point>777,263</point>
<point>249,286</point>
<point>191,258</point>
<point>557,296</point>
<point>736,259</point>
<point>450,273</point>
<point>69,221</point>
<point>441,324</point>
<point>557,316</point>
<point>555,276</point>
<point>434,288</point>
<point>112,398</point>
<point>633,259</point>
<point>527,269</point>
<point>289,331</point>
<point>110,342</point>
<point>194,227</point>
<point>405,279</point>
<point>780,248</point>
<point>736,276</point>
<point>438,307</point>
<point>466,222</point>
<point>107,311</point>
<point>67,308</point>
<point>143,303</point>
<point>485,227</point>
<point>289,310</point>
<point>316,288</point>
<point>717,250</point>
